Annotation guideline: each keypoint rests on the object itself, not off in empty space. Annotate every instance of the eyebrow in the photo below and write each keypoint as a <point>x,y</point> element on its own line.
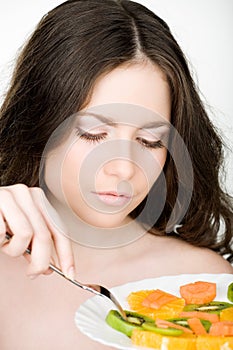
<point>111,122</point>
<point>100,117</point>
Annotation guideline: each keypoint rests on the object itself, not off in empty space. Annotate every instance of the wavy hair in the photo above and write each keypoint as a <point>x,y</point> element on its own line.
<point>72,46</point>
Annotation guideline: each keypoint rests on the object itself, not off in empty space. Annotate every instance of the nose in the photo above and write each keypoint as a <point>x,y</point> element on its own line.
<point>120,162</point>
<point>122,168</point>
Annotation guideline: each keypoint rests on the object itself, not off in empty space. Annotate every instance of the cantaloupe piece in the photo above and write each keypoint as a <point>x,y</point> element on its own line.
<point>196,326</point>
<point>223,328</point>
<point>198,292</point>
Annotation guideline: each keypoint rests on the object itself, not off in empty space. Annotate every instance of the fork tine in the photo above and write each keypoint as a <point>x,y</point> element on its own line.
<point>104,291</point>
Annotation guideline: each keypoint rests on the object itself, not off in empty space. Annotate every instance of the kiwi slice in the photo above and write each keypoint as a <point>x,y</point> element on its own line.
<point>183,321</point>
<point>212,307</point>
<point>230,292</point>
<point>163,331</point>
<point>134,320</point>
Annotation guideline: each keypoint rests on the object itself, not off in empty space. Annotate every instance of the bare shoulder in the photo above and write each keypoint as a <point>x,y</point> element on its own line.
<point>200,259</point>
<point>177,256</point>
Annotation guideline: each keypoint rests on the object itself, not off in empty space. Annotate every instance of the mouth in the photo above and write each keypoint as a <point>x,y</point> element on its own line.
<point>113,198</point>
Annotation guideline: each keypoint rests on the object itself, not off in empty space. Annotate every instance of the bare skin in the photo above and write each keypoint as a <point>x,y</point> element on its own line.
<point>39,313</point>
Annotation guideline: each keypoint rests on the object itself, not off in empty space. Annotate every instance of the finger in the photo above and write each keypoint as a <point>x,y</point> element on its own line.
<point>40,254</point>
<point>18,224</point>
<point>62,243</point>
<point>2,230</point>
<point>41,241</point>
<point>65,255</point>
<point>28,258</point>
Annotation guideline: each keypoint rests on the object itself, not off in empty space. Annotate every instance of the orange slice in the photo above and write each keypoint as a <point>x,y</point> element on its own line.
<point>214,343</point>
<point>157,341</point>
<point>170,310</point>
<point>226,314</point>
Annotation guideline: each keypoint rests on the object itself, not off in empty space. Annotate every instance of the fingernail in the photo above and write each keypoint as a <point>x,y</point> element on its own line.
<point>32,277</point>
<point>70,273</point>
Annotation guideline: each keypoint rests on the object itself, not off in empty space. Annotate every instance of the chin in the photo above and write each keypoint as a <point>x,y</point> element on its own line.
<point>107,222</point>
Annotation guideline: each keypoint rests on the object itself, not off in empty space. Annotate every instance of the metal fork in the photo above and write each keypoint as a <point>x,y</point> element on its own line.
<point>93,288</point>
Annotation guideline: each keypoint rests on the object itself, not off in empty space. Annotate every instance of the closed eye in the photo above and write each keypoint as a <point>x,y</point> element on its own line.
<point>90,137</point>
<point>102,136</point>
<point>150,144</point>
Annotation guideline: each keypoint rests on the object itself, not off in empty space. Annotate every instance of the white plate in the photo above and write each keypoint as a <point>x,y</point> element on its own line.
<point>90,317</point>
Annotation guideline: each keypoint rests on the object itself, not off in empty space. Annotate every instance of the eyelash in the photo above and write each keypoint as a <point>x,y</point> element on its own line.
<point>90,137</point>
<point>94,138</point>
<point>152,145</point>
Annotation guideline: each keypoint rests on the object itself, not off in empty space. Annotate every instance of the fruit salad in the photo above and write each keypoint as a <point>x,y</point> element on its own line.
<point>194,320</point>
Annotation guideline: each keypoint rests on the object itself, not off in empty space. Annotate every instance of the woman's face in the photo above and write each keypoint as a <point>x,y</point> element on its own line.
<point>115,151</point>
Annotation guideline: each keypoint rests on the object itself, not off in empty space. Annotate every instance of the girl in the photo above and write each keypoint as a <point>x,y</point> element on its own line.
<point>104,142</point>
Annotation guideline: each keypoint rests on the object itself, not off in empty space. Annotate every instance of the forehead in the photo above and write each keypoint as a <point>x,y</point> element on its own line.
<point>140,84</point>
<point>122,113</point>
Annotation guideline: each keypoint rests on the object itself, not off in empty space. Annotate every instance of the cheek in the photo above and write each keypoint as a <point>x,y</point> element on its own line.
<point>161,157</point>
<point>71,167</point>
<point>62,170</point>
<point>155,167</point>
<point>53,174</point>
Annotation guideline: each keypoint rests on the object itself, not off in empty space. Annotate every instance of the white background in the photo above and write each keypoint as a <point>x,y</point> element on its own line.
<point>203,28</point>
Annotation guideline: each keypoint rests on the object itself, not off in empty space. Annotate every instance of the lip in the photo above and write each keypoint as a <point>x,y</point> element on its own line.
<point>113,198</point>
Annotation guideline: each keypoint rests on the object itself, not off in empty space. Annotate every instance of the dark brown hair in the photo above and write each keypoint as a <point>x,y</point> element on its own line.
<point>72,46</point>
